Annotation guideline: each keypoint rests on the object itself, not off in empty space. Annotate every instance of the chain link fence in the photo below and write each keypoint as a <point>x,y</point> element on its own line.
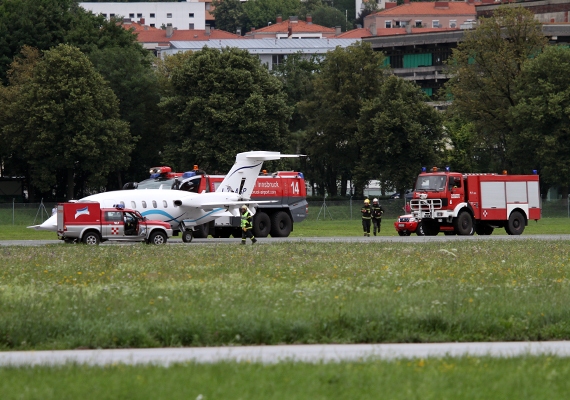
<point>346,210</point>
<point>36,213</point>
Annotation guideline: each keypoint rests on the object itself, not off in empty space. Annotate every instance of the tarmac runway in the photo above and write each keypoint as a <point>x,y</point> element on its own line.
<point>272,354</point>
<point>344,239</point>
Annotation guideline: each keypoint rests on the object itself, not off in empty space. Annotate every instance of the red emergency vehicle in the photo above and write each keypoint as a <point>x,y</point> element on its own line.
<point>87,222</point>
<point>467,203</point>
<point>286,190</point>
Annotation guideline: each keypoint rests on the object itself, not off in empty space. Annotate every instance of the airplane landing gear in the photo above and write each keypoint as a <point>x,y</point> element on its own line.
<point>187,236</point>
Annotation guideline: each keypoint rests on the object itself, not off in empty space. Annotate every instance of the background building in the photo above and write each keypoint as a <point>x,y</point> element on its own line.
<point>180,15</point>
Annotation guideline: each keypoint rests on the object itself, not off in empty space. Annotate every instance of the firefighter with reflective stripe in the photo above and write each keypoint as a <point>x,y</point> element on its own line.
<point>246,225</point>
<point>377,212</point>
<point>366,217</point>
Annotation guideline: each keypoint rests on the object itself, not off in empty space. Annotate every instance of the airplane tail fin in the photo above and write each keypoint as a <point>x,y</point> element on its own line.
<point>243,175</point>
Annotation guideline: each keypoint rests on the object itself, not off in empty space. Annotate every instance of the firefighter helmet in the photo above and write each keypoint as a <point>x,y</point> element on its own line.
<point>366,201</point>
<point>375,201</point>
<point>244,207</point>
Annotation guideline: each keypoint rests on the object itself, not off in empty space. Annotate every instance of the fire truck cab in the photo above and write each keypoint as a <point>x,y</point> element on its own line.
<point>468,203</point>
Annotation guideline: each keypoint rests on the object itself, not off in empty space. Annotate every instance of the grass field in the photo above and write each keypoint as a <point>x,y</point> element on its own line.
<point>457,379</point>
<point>65,297</point>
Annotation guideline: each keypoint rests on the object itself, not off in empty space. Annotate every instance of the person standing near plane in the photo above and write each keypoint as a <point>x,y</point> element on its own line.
<point>246,225</point>
<point>377,212</point>
<point>366,216</point>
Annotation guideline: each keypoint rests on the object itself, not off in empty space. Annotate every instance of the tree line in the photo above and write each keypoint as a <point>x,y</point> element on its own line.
<point>83,108</point>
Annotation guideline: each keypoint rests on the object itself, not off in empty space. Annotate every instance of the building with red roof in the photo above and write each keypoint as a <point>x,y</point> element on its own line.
<point>423,14</point>
<point>152,38</point>
<point>293,28</point>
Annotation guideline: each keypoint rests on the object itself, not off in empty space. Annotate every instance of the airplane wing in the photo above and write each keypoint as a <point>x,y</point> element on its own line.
<point>227,204</point>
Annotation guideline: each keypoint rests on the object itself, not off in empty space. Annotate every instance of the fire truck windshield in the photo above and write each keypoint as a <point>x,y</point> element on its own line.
<point>431,183</point>
<point>157,183</point>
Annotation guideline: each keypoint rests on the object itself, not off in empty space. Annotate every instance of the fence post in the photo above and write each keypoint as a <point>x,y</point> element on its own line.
<point>13,200</point>
<point>350,205</point>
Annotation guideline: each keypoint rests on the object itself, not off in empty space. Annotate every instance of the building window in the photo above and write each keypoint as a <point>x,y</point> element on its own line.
<point>152,15</point>
<point>388,24</point>
<point>169,15</point>
<point>435,23</point>
<point>139,15</point>
<point>131,15</point>
<point>169,24</point>
<point>191,15</point>
<point>208,6</point>
<point>277,59</point>
<point>153,25</point>
<point>112,15</point>
<point>190,26</point>
<point>453,24</point>
<point>105,15</point>
<point>418,24</point>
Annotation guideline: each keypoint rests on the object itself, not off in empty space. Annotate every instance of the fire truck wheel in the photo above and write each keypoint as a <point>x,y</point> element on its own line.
<point>483,229</point>
<point>464,224</point>
<point>202,231</point>
<point>261,224</point>
<point>157,238</point>
<point>429,227</point>
<point>91,238</point>
<point>187,236</point>
<point>515,225</point>
<point>420,229</point>
<point>280,224</point>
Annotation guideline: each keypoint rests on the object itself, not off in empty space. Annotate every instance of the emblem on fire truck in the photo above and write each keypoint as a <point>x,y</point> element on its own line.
<point>81,211</point>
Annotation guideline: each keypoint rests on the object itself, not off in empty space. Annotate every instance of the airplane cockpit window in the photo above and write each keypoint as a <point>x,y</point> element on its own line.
<point>191,184</point>
<point>157,183</point>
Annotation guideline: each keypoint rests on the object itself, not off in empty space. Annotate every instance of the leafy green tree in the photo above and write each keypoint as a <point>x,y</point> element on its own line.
<point>36,23</point>
<point>400,133</point>
<point>65,123</point>
<point>130,74</point>
<point>261,12</point>
<point>462,151</point>
<point>230,15</point>
<point>348,77</point>
<point>484,70</point>
<point>223,102</point>
<point>329,17</point>
<point>542,117</point>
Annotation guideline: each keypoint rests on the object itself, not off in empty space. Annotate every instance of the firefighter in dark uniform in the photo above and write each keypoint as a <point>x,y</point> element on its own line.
<point>377,212</point>
<point>246,225</point>
<point>366,217</point>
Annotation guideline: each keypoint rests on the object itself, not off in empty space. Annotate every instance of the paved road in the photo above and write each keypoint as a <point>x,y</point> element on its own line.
<point>344,239</point>
<point>273,354</point>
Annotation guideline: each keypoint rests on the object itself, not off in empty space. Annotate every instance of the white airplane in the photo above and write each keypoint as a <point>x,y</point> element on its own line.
<point>185,210</point>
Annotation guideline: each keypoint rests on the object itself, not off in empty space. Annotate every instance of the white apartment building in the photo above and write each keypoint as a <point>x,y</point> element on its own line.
<point>179,15</point>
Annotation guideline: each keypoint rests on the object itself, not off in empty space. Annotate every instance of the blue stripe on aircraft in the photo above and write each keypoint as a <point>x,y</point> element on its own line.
<point>251,166</point>
<point>163,213</point>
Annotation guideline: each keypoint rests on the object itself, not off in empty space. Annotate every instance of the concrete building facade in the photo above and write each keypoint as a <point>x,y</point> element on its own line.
<point>179,15</point>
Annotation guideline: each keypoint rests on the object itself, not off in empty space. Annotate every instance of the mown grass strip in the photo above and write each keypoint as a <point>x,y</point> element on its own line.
<point>60,297</point>
<point>463,378</point>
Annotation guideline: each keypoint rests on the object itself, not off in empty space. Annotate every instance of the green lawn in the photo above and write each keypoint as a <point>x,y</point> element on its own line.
<point>64,297</point>
<point>458,379</point>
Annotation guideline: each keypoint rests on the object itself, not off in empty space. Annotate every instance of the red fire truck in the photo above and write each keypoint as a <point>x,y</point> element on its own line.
<point>87,222</point>
<point>466,203</point>
<point>285,188</point>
